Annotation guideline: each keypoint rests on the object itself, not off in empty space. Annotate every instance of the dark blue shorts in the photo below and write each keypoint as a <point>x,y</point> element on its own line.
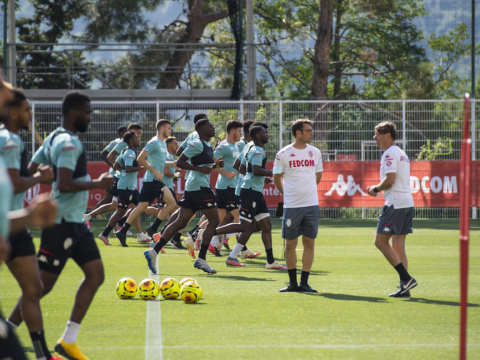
<point>151,190</point>
<point>127,197</point>
<point>395,221</point>
<point>253,205</point>
<point>226,199</point>
<point>198,200</point>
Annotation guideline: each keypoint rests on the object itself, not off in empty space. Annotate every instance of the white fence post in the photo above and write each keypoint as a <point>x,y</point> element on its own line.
<point>241,111</point>
<point>158,112</point>
<point>473,138</point>
<point>404,126</point>
<point>33,128</point>
<point>280,125</point>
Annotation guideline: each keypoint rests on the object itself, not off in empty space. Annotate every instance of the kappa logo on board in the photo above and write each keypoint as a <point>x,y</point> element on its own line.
<point>342,187</point>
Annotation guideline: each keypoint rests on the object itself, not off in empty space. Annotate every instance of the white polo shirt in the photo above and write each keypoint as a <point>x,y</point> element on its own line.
<point>394,160</point>
<point>299,181</point>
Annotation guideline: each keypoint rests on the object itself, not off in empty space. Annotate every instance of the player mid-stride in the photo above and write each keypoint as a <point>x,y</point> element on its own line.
<point>396,219</point>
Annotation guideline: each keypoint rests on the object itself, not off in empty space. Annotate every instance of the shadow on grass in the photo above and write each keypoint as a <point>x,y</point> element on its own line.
<point>240,278</point>
<point>439,302</point>
<point>347,297</point>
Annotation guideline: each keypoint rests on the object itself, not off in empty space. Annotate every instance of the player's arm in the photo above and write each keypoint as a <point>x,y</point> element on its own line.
<point>67,184</point>
<point>104,155</point>
<point>384,185</point>
<point>112,156</point>
<point>44,174</point>
<point>278,170</point>
<point>142,160</point>
<point>257,170</point>
<point>318,177</point>
<point>277,180</point>
<point>167,172</point>
<point>42,212</point>
<point>182,147</point>
<point>237,164</point>
<point>117,166</point>
<point>129,168</point>
<point>182,163</point>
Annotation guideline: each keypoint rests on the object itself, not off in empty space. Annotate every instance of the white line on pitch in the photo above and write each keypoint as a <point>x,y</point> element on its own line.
<point>153,336</point>
<point>306,346</point>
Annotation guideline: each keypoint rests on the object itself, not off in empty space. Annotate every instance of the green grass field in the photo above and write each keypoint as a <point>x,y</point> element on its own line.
<point>243,316</point>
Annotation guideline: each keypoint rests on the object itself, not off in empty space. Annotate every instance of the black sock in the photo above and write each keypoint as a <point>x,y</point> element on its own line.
<point>215,233</point>
<point>125,228</point>
<point>39,344</point>
<point>107,231</point>
<point>178,236</point>
<point>156,224</point>
<point>270,258</point>
<point>292,274</point>
<point>304,277</point>
<point>161,243</point>
<point>203,251</point>
<point>122,220</point>
<point>404,275</point>
<point>244,248</point>
<point>194,229</point>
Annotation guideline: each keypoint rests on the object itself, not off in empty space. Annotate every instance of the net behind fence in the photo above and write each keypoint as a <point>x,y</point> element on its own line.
<point>429,131</point>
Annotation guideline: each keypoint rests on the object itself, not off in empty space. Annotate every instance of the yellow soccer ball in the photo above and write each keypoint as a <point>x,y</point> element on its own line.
<point>191,292</point>
<point>185,280</point>
<point>170,289</point>
<point>148,289</point>
<point>126,288</point>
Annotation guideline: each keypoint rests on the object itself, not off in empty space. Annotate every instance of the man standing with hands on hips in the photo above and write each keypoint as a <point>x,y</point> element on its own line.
<point>300,165</point>
<point>396,219</point>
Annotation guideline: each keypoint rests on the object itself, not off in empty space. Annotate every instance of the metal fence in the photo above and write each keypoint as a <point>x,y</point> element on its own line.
<point>427,130</point>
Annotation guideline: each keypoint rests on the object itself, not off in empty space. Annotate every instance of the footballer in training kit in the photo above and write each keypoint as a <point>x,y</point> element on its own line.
<point>297,171</point>
<point>198,195</point>
<point>396,219</point>
<point>70,237</point>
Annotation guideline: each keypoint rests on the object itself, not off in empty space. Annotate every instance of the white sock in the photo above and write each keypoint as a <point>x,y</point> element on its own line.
<point>71,332</point>
<point>139,234</point>
<point>236,250</point>
<point>233,234</point>
<point>214,241</point>
<point>13,326</point>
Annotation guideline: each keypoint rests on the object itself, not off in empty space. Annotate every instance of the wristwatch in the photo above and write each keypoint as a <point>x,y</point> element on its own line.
<point>375,189</point>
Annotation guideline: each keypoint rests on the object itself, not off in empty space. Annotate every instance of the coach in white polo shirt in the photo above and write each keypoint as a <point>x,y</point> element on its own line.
<point>396,219</point>
<point>300,165</point>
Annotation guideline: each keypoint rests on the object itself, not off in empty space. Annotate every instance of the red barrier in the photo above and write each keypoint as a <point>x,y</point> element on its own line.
<point>344,184</point>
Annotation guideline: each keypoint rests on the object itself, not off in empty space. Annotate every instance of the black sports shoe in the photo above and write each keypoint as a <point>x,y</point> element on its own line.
<point>406,295</point>
<point>306,288</point>
<point>122,221</point>
<point>177,244</point>
<point>225,245</point>
<point>290,288</point>
<point>122,237</point>
<point>150,232</point>
<point>404,287</point>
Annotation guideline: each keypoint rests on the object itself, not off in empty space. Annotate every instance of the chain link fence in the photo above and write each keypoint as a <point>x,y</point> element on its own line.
<point>427,130</point>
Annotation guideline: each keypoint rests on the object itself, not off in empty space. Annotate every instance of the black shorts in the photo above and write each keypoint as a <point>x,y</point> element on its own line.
<point>161,203</point>
<point>253,205</point>
<point>127,197</point>
<point>64,241</point>
<point>151,190</point>
<point>113,190</point>
<point>22,245</point>
<point>226,199</point>
<point>10,347</point>
<point>198,200</point>
<point>395,221</point>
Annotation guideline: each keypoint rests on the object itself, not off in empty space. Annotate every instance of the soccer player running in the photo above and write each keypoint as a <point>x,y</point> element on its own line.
<point>127,183</point>
<point>300,165</point>
<point>153,158</point>
<point>198,195</point>
<point>22,261</point>
<point>252,202</point>
<point>70,237</point>
<point>396,219</point>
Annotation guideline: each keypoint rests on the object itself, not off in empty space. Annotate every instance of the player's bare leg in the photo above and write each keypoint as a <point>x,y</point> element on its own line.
<point>106,200</point>
<point>101,210</point>
<point>164,213</point>
<point>398,244</point>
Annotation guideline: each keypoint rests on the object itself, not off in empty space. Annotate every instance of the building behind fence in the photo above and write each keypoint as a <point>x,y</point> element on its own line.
<point>427,130</point>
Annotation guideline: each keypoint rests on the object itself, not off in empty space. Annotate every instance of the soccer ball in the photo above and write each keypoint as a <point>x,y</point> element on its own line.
<point>170,289</point>
<point>148,289</point>
<point>126,288</point>
<point>191,292</point>
<point>185,280</point>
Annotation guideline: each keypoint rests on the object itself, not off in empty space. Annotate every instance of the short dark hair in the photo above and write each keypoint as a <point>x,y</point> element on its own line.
<point>246,126</point>
<point>198,117</point>
<point>201,123</point>
<point>18,98</point>
<point>121,130</point>
<point>162,122</point>
<point>260,123</point>
<point>134,126</point>
<point>233,124</point>
<point>254,130</point>
<point>74,100</point>
<point>298,125</point>
<point>127,136</point>
<point>387,127</point>
<point>170,139</point>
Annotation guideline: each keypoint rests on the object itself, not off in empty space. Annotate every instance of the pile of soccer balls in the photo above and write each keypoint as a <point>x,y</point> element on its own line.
<point>188,289</point>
